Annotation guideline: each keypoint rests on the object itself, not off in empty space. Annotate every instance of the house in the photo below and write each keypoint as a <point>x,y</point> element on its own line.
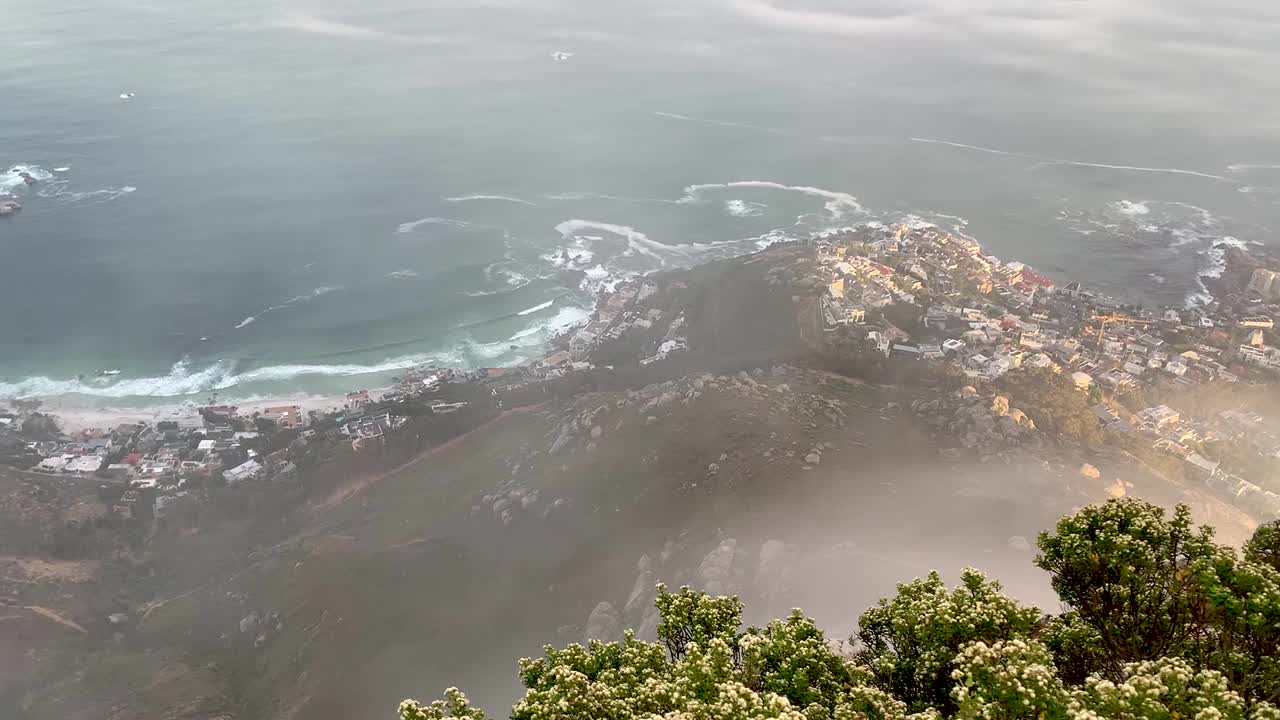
<point>1082,380</point>
<point>284,417</point>
<point>1117,378</point>
<point>836,288</point>
<point>999,365</point>
<point>879,340</point>
<point>247,470</point>
<point>84,465</point>
<point>1176,367</point>
<point>952,345</point>
<point>1160,416</point>
<point>557,359</point>
<point>1265,283</point>
<point>1202,463</point>
<point>931,352</point>
<point>1105,415</point>
<point>52,464</point>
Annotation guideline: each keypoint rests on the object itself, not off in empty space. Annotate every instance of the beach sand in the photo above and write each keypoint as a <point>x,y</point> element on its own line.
<point>73,418</point>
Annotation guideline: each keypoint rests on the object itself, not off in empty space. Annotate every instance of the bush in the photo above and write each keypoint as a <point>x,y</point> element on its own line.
<point>1159,623</point>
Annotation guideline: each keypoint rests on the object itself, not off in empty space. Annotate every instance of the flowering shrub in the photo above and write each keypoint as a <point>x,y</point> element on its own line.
<point>909,641</point>
<point>1203,626</point>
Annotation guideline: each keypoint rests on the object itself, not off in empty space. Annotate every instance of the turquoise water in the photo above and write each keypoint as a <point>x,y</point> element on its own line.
<point>309,198</point>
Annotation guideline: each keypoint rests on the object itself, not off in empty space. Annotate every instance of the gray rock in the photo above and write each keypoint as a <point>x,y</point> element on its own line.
<point>597,432</point>
<point>715,571</point>
<point>648,628</point>
<point>642,593</point>
<point>603,623</point>
<point>813,458</point>
<point>249,622</point>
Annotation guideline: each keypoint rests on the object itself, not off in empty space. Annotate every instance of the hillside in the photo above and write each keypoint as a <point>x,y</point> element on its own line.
<point>731,470</point>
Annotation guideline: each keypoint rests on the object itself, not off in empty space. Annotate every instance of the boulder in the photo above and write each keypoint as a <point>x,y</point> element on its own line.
<point>1000,405</point>
<point>1089,471</point>
<point>597,432</point>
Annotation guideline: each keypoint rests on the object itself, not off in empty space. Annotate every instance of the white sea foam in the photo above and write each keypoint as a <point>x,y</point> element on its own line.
<point>571,196</point>
<point>12,178</point>
<point>62,169</point>
<point>744,209</point>
<point>88,196</point>
<point>496,198</point>
<point>402,274</point>
<point>1246,167</point>
<point>536,308</point>
<point>315,293</point>
<point>637,242</point>
<point>1132,209</point>
<point>542,330</point>
<point>839,204</point>
<point>408,227</point>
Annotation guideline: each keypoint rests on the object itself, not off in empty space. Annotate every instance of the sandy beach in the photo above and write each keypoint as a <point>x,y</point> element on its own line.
<point>73,418</point>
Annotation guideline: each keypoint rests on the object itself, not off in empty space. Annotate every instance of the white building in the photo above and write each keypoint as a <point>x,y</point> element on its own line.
<point>245,471</point>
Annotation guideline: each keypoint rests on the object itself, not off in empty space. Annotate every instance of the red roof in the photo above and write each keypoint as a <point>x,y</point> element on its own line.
<point>132,458</point>
<point>1035,278</point>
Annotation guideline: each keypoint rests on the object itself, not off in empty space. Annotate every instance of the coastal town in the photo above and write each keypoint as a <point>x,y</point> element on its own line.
<point>911,295</point>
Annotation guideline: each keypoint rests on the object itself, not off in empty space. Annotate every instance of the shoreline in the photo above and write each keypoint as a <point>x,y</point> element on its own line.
<point>77,416</point>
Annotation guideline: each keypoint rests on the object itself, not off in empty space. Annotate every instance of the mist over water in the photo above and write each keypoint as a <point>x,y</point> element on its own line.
<point>308,197</point>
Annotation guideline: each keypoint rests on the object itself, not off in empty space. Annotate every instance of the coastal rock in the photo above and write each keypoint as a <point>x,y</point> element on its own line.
<point>1090,472</point>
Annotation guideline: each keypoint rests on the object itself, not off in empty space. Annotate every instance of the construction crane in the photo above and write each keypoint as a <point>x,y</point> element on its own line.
<point>1102,329</point>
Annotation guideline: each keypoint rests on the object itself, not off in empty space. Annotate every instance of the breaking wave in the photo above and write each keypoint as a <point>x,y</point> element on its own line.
<point>408,227</point>
<point>536,308</point>
<point>402,274</point>
<point>496,198</point>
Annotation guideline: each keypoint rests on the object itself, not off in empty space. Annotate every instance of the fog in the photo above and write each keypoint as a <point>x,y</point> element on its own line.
<point>308,197</point>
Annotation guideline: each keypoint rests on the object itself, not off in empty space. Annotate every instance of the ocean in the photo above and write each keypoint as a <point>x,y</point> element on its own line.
<point>269,198</point>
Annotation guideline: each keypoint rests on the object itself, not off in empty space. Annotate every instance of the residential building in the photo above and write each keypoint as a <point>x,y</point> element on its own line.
<point>1266,283</point>
<point>1160,415</point>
